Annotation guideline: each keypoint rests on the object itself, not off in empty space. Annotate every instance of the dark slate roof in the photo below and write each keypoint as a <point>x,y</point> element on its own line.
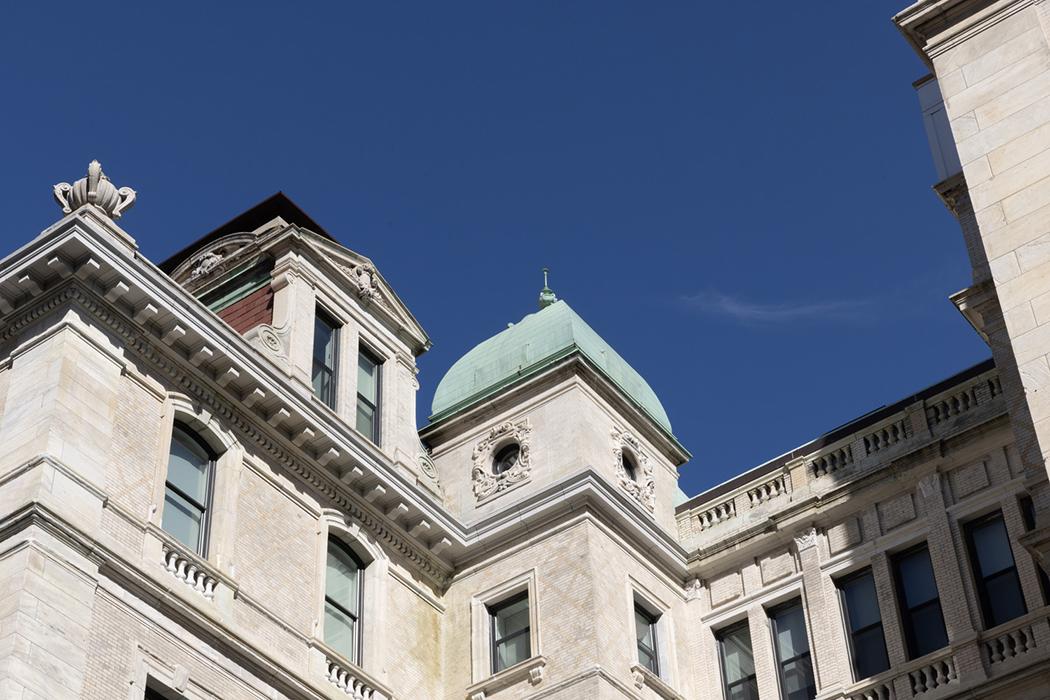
<point>278,204</point>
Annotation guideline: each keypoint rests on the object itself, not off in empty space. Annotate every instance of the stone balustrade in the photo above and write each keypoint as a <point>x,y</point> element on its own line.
<point>352,681</point>
<point>866,449</point>
<point>767,490</point>
<point>886,436</point>
<point>876,691</point>
<point>953,405</point>
<point>831,462</point>
<point>718,514</point>
<point>189,571</point>
<point>1006,643</point>
<point>933,675</point>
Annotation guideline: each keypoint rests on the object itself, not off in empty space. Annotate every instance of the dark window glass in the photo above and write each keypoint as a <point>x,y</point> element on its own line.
<point>152,694</point>
<point>342,601</point>
<point>864,622</point>
<point>1028,512</point>
<point>792,647</point>
<point>629,467</point>
<point>992,563</point>
<point>325,350</point>
<point>368,395</point>
<point>510,632</point>
<point>919,602</point>
<point>187,492</point>
<point>739,681</point>
<point>506,458</point>
<point>645,632</point>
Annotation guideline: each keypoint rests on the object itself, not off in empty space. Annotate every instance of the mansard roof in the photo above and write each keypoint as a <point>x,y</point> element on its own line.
<point>530,346</point>
<point>204,264</point>
<point>276,205</point>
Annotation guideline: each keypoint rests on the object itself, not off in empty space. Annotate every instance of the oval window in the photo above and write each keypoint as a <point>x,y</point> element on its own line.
<point>629,467</point>
<point>506,458</point>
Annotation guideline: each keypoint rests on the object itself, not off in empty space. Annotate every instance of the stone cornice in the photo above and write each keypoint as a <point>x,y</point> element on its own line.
<point>935,26</point>
<point>74,262</point>
<point>130,578</point>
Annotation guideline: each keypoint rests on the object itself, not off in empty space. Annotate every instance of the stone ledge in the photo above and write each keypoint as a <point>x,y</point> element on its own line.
<point>532,669</point>
<point>644,677</point>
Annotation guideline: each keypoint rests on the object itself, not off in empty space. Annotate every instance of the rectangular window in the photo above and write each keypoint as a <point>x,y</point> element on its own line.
<point>739,681</point>
<point>791,644</point>
<point>1028,513</point>
<point>864,623</point>
<point>510,632</point>
<point>368,395</point>
<point>326,337</point>
<point>342,601</point>
<point>187,490</point>
<point>919,602</point>
<point>994,572</point>
<point>645,632</point>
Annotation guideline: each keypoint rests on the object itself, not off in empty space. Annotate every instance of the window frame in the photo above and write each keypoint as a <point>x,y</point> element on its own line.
<point>652,621</point>
<point>979,579</point>
<point>365,351</point>
<point>358,655</point>
<point>840,583</point>
<point>720,636</point>
<point>204,536</point>
<point>771,615</point>
<point>1027,506</point>
<point>493,610</point>
<point>906,614</point>
<point>322,315</point>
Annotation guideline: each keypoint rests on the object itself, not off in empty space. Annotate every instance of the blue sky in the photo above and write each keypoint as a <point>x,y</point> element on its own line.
<point>737,197</point>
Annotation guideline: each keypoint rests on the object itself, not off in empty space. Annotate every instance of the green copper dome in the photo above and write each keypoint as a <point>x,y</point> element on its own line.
<point>537,341</point>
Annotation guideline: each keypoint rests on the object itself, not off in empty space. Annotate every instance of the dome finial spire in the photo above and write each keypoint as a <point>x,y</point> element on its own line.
<point>546,295</point>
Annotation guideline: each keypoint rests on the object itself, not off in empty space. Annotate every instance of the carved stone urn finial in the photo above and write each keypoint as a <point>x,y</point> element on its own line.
<point>94,189</point>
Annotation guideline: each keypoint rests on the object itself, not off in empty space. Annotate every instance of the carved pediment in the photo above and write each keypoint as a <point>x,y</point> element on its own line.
<point>215,259</point>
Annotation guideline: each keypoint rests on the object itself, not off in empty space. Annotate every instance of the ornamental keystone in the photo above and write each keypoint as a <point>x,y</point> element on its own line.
<point>94,189</point>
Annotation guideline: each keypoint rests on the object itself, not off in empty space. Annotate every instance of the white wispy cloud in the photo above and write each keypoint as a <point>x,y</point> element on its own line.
<point>718,304</point>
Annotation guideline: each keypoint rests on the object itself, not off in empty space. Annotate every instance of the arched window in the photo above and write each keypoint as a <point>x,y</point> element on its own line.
<point>343,590</point>
<point>187,492</point>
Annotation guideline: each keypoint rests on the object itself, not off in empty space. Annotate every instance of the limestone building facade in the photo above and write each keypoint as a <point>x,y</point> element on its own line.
<point>213,486</point>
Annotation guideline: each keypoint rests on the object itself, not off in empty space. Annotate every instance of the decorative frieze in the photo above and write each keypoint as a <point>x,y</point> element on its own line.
<point>640,485</point>
<point>486,481</point>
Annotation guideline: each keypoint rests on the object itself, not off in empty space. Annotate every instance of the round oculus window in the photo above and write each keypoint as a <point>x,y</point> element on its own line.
<point>506,458</point>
